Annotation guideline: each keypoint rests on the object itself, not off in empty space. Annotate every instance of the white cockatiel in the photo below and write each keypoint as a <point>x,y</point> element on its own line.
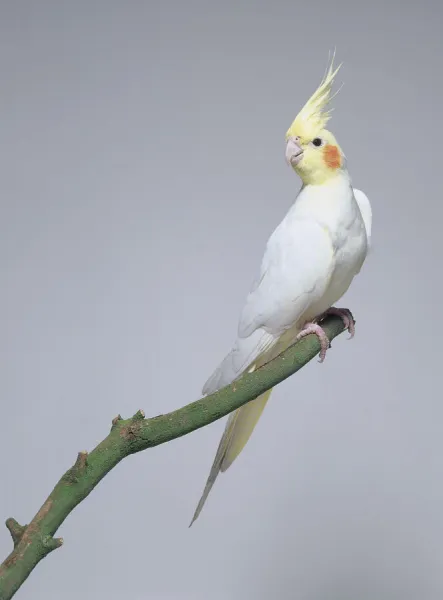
<point>310,261</point>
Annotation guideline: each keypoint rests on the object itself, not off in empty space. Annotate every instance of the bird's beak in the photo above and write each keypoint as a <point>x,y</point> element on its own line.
<point>294,152</point>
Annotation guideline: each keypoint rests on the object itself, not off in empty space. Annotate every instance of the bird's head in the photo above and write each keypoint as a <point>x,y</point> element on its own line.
<point>312,150</point>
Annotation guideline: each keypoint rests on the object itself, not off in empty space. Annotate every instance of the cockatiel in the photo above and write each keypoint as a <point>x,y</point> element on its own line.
<point>310,261</point>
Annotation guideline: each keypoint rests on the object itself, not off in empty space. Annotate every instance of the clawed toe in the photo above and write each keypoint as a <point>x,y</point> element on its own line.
<point>315,329</point>
<point>345,315</point>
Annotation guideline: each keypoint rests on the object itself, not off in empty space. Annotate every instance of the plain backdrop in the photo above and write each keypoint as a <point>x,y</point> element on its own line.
<point>141,172</point>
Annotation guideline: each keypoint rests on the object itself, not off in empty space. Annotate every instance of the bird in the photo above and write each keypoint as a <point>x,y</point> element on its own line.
<point>309,262</point>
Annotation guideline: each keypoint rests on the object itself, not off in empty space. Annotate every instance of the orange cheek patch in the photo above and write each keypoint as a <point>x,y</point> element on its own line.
<point>331,155</point>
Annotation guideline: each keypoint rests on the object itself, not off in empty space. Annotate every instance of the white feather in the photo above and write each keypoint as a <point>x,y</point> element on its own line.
<point>366,211</point>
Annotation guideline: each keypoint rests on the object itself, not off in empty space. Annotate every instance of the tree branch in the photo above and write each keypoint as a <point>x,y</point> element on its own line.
<point>35,541</point>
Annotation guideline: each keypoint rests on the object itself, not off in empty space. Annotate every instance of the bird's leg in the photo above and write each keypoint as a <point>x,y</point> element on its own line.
<point>320,333</point>
<point>345,315</point>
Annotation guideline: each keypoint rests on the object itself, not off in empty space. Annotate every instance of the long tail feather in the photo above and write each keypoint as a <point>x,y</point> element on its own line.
<point>238,430</point>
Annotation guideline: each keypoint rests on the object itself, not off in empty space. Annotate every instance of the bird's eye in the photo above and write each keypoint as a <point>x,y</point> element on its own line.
<point>317,142</point>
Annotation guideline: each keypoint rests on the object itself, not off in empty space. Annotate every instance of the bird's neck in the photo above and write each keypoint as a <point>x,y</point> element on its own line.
<point>335,178</point>
<point>325,202</point>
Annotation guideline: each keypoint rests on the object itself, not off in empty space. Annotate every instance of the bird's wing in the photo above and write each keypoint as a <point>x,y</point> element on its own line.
<point>294,274</point>
<point>366,211</point>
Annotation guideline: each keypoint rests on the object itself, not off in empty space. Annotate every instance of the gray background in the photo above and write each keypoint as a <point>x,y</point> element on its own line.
<point>142,170</point>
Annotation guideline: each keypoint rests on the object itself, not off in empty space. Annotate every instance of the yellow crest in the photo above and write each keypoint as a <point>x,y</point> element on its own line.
<point>313,117</point>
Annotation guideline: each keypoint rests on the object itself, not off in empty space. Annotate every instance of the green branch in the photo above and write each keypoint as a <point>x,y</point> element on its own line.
<point>35,541</point>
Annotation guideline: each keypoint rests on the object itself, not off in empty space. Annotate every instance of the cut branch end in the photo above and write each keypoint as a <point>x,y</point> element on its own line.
<point>115,420</point>
<point>51,543</point>
<point>16,530</point>
<point>139,415</point>
<point>79,468</point>
<point>82,462</point>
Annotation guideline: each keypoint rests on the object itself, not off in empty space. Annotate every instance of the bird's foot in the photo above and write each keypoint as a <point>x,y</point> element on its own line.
<point>345,315</point>
<point>320,333</point>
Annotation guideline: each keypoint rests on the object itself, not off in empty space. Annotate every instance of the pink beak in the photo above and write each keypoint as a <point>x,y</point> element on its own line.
<point>294,152</point>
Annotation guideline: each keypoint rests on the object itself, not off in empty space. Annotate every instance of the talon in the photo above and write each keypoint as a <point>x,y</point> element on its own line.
<point>345,315</point>
<point>315,329</point>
